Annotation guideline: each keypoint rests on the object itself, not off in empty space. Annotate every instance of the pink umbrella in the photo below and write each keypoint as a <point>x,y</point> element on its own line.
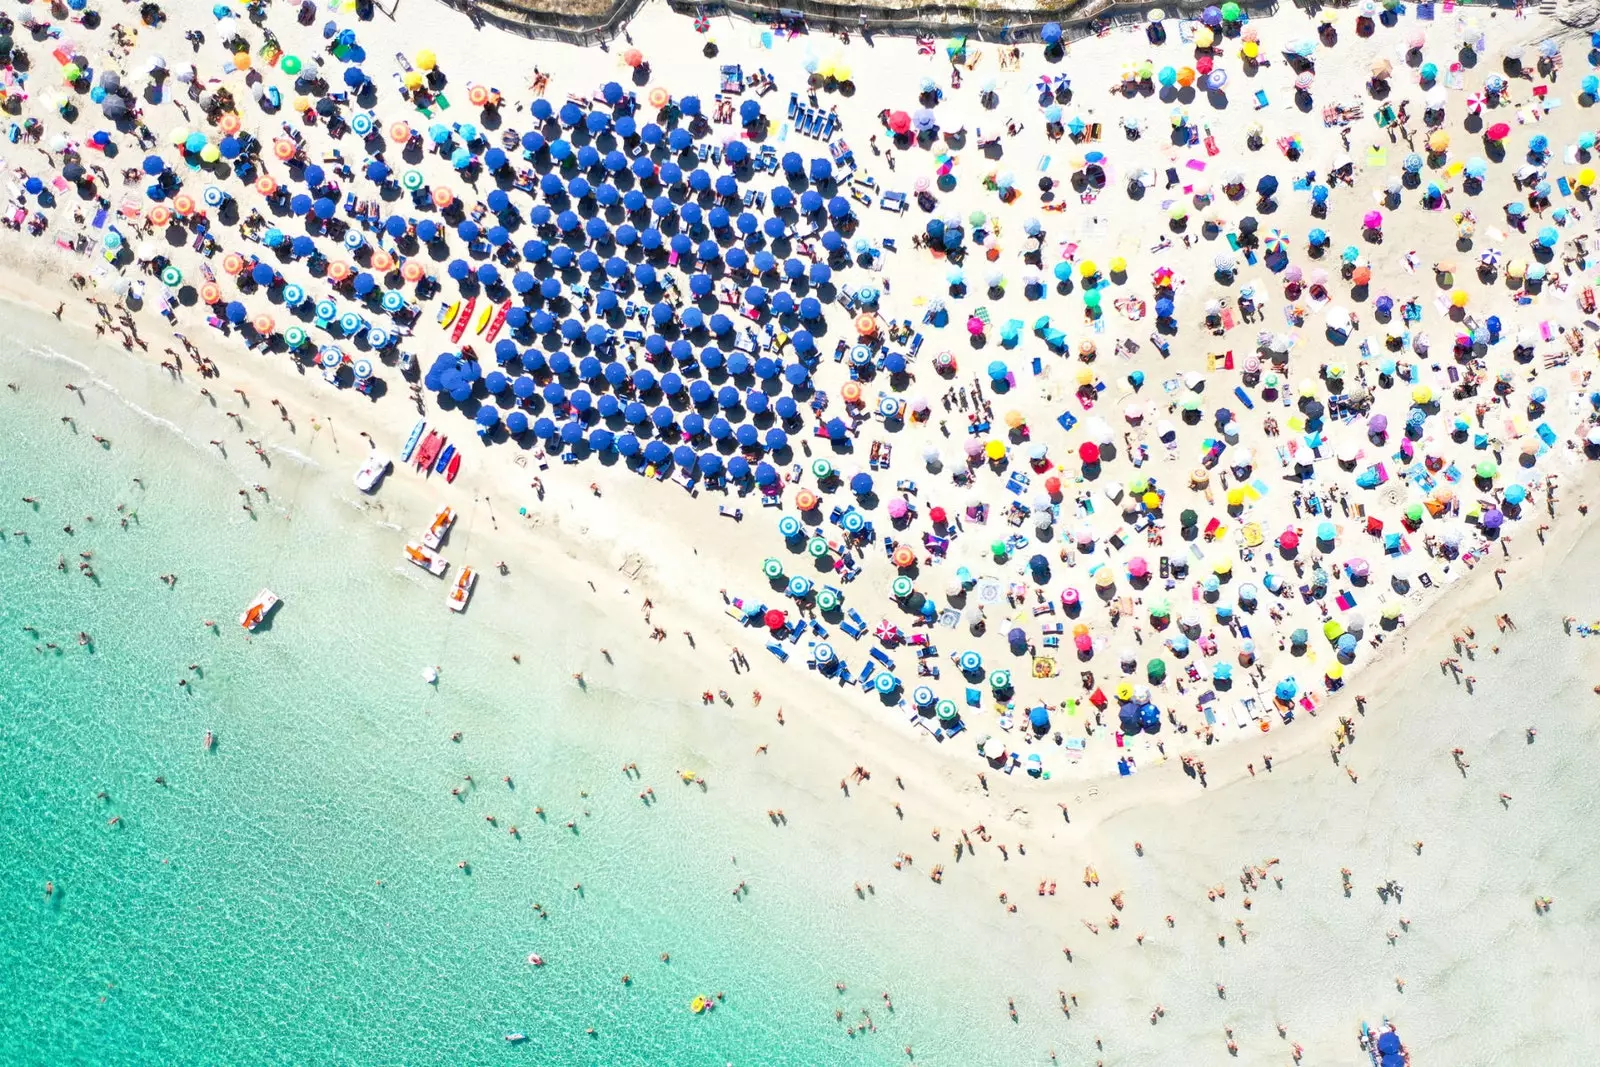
<point>974,447</point>
<point>1372,220</point>
<point>1303,80</point>
<point>897,508</point>
<point>1137,567</point>
<point>1288,540</point>
<point>1084,643</point>
<point>975,326</point>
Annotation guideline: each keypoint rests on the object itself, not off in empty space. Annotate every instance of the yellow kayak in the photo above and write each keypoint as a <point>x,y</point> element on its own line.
<point>483,317</point>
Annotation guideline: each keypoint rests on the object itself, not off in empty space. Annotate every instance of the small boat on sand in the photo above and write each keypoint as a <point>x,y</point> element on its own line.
<point>453,469</point>
<point>259,609</point>
<point>372,472</point>
<point>462,320</point>
<point>429,450</point>
<point>412,441</point>
<point>463,589</point>
<point>440,528</point>
<point>444,459</point>
<point>431,562</point>
<point>499,321</point>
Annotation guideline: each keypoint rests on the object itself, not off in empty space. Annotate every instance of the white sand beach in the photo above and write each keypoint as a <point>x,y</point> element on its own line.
<point>1286,409</point>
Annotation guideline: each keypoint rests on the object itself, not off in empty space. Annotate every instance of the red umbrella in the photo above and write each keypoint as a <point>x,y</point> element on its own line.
<point>899,121</point>
<point>1052,485</point>
<point>1089,452</point>
<point>937,514</point>
<point>1288,541</point>
<point>1202,64</point>
<point>1498,132</point>
<point>774,619</point>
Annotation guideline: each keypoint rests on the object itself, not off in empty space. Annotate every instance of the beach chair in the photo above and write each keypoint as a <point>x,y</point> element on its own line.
<point>867,671</point>
<point>894,201</point>
<point>853,624</point>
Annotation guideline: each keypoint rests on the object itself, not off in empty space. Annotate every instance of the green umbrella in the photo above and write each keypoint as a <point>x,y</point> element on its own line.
<point>172,277</point>
<point>1487,469</point>
<point>412,180</point>
<point>1332,629</point>
<point>947,711</point>
<point>1188,518</point>
<point>821,469</point>
<point>1156,670</point>
<point>1161,609</point>
<point>818,547</point>
<point>827,600</point>
<point>998,548</point>
<point>1000,681</point>
<point>289,64</point>
<point>900,587</point>
<point>1414,512</point>
<point>294,337</point>
<point>772,568</point>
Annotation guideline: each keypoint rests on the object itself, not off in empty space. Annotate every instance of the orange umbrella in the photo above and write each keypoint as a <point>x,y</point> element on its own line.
<point>229,122</point>
<point>412,271</point>
<point>659,97</point>
<point>851,391</point>
<point>183,204</point>
<point>338,270</point>
<point>233,263</point>
<point>283,148</point>
<point>866,324</point>
<point>160,215</point>
<point>633,57</point>
<point>805,500</point>
<point>905,557</point>
<point>266,185</point>
<point>478,95</point>
<point>443,197</point>
<point>263,324</point>
<point>382,262</point>
<point>210,293</point>
<point>1361,275</point>
<point>399,133</point>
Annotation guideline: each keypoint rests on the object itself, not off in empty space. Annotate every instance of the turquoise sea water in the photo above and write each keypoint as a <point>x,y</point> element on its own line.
<point>234,915</point>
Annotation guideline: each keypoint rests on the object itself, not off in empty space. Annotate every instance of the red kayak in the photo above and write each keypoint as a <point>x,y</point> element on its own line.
<point>462,320</point>
<point>498,321</point>
<point>429,451</point>
<point>454,466</point>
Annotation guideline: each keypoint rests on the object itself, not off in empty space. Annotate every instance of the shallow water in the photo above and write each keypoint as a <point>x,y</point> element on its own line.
<point>236,913</point>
